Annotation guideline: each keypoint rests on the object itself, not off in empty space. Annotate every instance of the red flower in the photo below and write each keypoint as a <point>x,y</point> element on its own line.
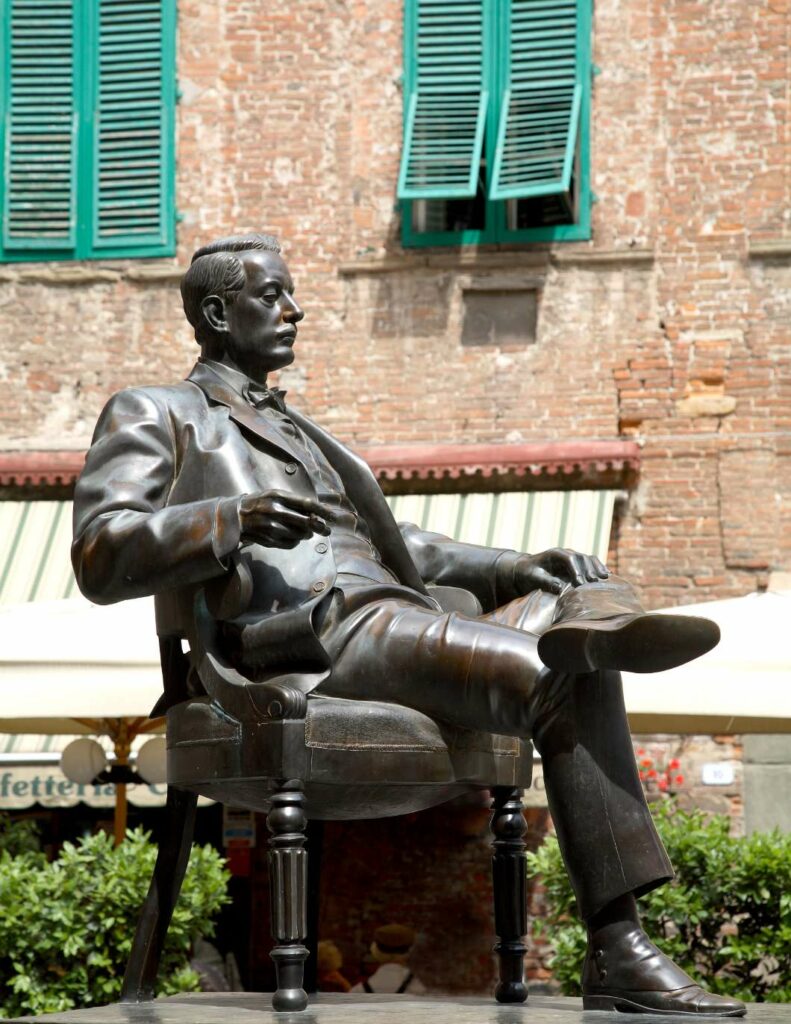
<point>680,780</point>
<point>675,763</point>
<point>663,784</point>
<point>652,774</point>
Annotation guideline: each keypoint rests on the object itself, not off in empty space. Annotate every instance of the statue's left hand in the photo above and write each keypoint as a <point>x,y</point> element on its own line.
<point>554,569</point>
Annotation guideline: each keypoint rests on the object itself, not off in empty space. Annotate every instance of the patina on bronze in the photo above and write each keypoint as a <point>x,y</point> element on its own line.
<point>272,553</point>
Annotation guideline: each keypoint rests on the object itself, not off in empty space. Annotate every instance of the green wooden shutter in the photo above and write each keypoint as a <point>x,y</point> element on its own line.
<point>540,112</point>
<point>133,141</point>
<point>446,99</point>
<point>39,204</point>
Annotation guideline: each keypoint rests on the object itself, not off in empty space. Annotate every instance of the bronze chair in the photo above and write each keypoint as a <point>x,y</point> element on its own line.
<point>271,749</point>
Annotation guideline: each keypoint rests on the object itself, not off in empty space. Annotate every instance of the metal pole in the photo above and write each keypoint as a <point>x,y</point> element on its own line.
<point>122,740</point>
<point>119,824</point>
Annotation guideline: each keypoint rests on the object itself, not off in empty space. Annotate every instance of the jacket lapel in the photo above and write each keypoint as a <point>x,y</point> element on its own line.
<point>357,477</point>
<point>216,390</point>
<point>364,491</point>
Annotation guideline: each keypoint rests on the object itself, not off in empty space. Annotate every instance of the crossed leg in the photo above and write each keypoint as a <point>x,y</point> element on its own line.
<point>485,674</point>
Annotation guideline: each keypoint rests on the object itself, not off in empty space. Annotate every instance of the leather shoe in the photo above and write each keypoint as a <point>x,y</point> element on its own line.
<point>642,642</point>
<point>630,974</point>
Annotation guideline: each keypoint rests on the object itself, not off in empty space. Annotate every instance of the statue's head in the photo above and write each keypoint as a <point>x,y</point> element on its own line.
<point>239,297</point>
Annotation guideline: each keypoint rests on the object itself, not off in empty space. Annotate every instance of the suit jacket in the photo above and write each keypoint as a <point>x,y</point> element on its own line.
<point>156,512</point>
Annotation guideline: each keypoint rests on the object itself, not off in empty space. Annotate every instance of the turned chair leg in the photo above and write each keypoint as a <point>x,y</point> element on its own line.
<point>163,893</point>
<point>510,892</point>
<point>288,877</point>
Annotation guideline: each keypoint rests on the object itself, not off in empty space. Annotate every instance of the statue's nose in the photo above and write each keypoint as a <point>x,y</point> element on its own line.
<point>293,313</point>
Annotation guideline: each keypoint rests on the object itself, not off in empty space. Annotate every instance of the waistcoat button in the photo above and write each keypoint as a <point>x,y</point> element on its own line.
<point>319,585</point>
<point>291,468</point>
<point>321,548</point>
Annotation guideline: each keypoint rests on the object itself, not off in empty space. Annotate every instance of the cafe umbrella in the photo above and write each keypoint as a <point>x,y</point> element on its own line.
<point>71,668</point>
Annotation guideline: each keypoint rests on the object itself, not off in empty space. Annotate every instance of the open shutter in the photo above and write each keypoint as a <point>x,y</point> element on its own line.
<point>446,101</point>
<point>132,147</point>
<point>540,114</point>
<point>39,205</point>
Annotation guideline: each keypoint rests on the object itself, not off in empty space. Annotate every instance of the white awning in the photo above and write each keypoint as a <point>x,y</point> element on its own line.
<point>65,660</point>
<point>742,686</point>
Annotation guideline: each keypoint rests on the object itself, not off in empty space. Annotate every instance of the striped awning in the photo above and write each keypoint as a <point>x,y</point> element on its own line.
<point>35,536</point>
<point>35,540</point>
<point>524,521</point>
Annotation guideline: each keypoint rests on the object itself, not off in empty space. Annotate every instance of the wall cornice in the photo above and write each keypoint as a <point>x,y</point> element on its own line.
<point>558,461</point>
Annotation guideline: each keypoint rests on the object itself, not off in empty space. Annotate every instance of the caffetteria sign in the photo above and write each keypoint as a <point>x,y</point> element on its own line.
<point>24,786</point>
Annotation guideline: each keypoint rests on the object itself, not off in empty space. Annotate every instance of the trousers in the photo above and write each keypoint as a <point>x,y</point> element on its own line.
<point>484,674</point>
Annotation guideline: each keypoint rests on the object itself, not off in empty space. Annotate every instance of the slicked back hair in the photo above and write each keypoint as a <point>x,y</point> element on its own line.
<point>216,270</point>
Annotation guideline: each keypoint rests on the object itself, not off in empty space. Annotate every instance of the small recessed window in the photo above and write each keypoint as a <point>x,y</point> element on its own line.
<point>503,316</point>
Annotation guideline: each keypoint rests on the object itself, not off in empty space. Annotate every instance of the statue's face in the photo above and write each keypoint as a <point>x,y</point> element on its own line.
<point>262,319</point>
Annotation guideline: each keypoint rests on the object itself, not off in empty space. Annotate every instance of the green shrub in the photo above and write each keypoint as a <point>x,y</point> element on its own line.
<point>66,927</point>
<point>18,836</point>
<point>726,919</point>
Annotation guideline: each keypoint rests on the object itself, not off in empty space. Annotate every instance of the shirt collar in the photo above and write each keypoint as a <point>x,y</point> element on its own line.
<point>251,391</point>
<point>235,379</point>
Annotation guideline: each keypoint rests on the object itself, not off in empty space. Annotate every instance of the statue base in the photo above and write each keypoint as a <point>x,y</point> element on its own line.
<point>332,1008</point>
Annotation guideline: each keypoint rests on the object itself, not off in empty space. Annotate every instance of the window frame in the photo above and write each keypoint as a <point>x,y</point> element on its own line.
<point>495,28</point>
<point>85,55</point>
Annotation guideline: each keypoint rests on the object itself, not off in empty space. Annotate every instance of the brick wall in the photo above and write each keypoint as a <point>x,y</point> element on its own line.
<point>671,326</point>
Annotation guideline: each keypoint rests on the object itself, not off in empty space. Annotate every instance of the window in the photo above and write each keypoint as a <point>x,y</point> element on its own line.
<point>497,105</point>
<point>499,316</point>
<point>87,96</point>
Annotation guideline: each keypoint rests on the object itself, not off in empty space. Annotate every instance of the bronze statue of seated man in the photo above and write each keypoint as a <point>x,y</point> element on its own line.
<point>215,484</point>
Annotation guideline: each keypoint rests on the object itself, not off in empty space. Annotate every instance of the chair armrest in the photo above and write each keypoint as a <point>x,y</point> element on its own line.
<point>243,699</point>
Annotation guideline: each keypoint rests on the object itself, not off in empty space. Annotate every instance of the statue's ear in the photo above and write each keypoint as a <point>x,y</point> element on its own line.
<point>213,313</point>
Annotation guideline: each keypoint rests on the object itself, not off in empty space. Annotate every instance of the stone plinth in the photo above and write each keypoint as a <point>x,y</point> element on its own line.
<point>255,1008</point>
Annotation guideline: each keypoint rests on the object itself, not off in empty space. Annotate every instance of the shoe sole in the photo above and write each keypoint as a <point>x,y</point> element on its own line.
<point>621,1005</point>
<point>647,643</point>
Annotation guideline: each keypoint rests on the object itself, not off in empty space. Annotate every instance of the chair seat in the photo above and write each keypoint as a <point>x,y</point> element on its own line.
<point>357,759</point>
<point>333,723</point>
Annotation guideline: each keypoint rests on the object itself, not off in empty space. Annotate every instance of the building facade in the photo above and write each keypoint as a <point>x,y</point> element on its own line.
<point>614,319</point>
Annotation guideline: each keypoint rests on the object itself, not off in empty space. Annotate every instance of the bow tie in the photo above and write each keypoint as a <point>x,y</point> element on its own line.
<point>260,397</point>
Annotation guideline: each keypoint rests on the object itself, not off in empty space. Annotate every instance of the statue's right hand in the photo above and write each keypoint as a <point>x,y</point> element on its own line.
<point>279,520</point>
